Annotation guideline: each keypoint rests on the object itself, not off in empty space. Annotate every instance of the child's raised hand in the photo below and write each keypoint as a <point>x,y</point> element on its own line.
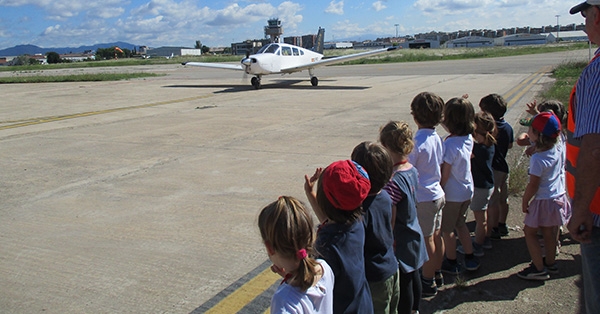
<point>309,183</point>
<point>532,108</point>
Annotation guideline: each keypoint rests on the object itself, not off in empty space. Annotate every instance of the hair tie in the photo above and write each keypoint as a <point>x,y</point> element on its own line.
<point>301,254</point>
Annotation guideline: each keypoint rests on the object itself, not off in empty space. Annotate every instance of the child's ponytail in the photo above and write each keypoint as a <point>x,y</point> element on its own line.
<point>304,276</point>
<point>486,126</point>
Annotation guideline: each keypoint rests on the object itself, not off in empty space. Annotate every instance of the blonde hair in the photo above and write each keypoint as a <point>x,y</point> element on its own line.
<point>486,126</point>
<point>397,137</point>
<point>288,228</point>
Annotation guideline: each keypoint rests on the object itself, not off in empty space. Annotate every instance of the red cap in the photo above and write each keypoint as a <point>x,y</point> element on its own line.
<point>346,184</point>
<point>545,122</point>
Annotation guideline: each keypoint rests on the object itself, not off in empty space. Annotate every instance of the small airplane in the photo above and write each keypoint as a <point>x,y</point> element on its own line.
<point>281,58</point>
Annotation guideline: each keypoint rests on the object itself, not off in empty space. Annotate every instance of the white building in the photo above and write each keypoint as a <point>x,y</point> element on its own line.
<point>572,36</point>
<point>525,39</point>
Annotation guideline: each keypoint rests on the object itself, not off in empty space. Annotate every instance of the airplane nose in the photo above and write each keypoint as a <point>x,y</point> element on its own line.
<point>248,61</point>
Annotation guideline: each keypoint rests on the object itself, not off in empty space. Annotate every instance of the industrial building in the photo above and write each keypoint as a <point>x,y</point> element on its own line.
<point>420,44</point>
<point>525,39</point>
<point>470,42</point>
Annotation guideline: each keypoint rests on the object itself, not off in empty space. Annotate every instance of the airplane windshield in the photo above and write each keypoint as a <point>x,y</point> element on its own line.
<point>269,48</point>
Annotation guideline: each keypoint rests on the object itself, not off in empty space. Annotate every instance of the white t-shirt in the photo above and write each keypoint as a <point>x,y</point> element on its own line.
<point>427,158</point>
<point>317,299</point>
<point>457,153</point>
<point>548,165</point>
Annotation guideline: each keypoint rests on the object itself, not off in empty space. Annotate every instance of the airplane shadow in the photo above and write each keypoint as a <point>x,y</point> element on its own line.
<point>272,84</point>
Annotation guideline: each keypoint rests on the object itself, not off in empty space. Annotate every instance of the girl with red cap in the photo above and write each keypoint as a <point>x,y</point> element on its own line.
<point>544,201</point>
<point>341,190</point>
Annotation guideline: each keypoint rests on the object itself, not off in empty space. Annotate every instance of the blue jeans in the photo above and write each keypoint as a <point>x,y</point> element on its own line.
<point>590,257</point>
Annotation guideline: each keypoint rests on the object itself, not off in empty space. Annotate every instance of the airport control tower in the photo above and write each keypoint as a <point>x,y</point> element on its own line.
<point>274,30</point>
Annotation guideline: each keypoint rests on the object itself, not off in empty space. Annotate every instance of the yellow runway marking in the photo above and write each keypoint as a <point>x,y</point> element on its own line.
<point>246,293</point>
<point>33,121</point>
<point>525,86</point>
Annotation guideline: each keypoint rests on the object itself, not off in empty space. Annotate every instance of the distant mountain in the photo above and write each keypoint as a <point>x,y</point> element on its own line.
<point>32,49</point>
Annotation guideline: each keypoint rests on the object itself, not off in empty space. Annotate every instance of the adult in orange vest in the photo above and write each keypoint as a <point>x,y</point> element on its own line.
<point>583,160</point>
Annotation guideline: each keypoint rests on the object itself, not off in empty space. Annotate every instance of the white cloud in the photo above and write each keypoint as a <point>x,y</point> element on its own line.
<point>347,28</point>
<point>335,7</point>
<point>450,6</point>
<point>378,6</point>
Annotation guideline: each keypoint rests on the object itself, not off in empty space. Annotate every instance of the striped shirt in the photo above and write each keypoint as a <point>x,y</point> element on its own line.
<point>587,118</point>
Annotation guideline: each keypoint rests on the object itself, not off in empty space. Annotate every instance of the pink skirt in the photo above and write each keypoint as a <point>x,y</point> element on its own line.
<point>548,212</point>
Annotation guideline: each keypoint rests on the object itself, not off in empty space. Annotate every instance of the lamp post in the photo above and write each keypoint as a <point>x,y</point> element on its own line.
<point>557,28</point>
<point>396,29</point>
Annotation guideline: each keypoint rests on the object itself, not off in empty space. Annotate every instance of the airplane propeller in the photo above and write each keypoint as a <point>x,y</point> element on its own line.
<point>247,61</point>
<point>246,65</point>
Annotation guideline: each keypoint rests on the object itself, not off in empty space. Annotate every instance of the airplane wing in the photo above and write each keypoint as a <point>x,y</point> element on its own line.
<point>225,66</point>
<point>324,62</point>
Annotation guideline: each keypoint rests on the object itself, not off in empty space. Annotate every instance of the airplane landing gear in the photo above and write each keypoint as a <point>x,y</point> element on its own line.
<point>255,81</point>
<point>314,81</point>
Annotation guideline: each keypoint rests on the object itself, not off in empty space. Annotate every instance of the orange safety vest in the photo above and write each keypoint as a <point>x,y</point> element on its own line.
<point>573,145</point>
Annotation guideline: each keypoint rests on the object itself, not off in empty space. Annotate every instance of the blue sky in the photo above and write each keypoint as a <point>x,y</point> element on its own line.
<point>72,23</point>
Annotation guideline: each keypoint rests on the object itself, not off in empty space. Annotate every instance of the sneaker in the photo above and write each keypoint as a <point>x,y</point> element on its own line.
<point>439,278</point>
<point>477,250</point>
<point>451,268</point>
<point>472,264</point>
<point>502,229</point>
<point>531,273</point>
<point>495,235</point>
<point>487,244</point>
<point>552,269</point>
<point>429,288</point>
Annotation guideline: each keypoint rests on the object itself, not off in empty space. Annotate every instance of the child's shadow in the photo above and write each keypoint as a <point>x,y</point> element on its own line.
<point>500,261</point>
<point>497,289</point>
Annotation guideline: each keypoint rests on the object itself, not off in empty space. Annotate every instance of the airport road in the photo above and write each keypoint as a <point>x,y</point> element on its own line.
<point>142,196</point>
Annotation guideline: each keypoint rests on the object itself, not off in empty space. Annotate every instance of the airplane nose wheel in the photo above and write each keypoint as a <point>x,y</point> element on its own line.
<point>314,81</point>
<point>255,81</point>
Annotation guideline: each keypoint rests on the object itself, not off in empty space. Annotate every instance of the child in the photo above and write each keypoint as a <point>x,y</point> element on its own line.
<point>426,109</point>
<point>342,188</point>
<point>483,175</point>
<point>381,266</point>
<point>287,232</point>
<point>457,182</point>
<point>411,253</point>
<point>558,109</point>
<point>550,206</point>
<point>498,205</point>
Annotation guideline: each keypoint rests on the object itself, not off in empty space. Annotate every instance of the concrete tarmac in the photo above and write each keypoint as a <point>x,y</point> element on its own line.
<point>142,195</point>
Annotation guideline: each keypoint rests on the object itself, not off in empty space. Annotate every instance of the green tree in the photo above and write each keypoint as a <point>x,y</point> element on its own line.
<point>205,49</point>
<point>198,45</point>
<point>53,57</point>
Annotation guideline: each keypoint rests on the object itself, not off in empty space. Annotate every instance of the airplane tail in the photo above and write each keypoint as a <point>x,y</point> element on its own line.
<point>320,42</point>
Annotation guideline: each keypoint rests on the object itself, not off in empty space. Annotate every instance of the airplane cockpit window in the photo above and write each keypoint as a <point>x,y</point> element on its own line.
<point>269,49</point>
<point>286,51</point>
<point>301,52</point>
<point>295,50</point>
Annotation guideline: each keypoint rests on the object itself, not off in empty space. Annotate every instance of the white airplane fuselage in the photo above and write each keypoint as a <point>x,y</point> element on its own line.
<point>277,56</point>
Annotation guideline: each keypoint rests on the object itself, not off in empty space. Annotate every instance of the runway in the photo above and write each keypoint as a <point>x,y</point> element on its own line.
<point>142,195</point>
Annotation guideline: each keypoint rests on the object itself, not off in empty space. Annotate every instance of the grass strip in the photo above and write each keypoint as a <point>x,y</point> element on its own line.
<point>75,78</point>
